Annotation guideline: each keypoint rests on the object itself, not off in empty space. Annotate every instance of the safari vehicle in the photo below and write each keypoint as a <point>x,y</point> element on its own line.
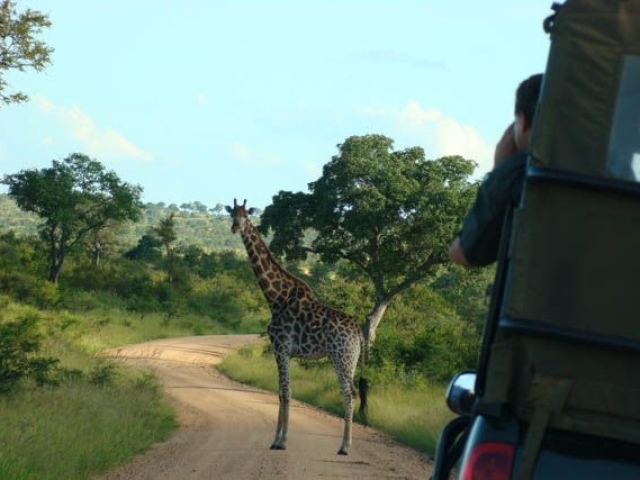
<point>556,393</point>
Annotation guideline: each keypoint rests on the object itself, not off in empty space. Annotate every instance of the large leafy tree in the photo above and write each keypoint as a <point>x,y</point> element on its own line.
<point>19,47</point>
<point>74,197</point>
<point>390,213</point>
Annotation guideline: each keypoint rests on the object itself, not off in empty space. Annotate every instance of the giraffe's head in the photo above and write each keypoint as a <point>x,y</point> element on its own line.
<point>239,214</point>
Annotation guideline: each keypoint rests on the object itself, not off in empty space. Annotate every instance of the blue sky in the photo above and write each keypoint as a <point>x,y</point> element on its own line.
<point>220,99</point>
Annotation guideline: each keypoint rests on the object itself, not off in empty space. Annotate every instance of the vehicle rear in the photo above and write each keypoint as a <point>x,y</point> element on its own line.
<point>557,392</point>
<point>496,451</point>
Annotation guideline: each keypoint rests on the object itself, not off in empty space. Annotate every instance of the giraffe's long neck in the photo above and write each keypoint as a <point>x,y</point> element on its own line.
<point>275,283</point>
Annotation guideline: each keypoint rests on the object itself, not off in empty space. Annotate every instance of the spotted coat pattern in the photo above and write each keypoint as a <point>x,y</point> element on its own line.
<point>301,326</point>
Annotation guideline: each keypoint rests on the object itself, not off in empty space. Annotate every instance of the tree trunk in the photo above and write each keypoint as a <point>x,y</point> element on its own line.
<point>372,322</point>
<point>95,251</point>
<point>54,270</point>
<point>56,259</point>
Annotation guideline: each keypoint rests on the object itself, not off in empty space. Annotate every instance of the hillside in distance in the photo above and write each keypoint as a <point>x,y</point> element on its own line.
<point>195,223</point>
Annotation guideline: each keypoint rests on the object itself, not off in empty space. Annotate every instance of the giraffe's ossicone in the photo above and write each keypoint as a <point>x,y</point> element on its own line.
<point>302,327</point>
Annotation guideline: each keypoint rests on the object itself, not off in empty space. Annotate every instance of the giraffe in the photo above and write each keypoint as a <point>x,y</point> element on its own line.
<point>302,327</point>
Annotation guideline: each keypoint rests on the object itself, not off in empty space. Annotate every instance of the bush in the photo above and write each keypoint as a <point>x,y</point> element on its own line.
<point>444,349</point>
<point>102,373</point>
<point>29,289</point>
<point>124,278</point>
<point>424,336</point>
<point>19,344</point>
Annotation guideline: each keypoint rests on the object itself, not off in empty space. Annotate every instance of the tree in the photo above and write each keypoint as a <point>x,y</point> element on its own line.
<point>389,213</point>
<point>166,231</point>
<point>74,198</point>
<point>19,344</point>
<point>102,241</point>
<point>218,209</point>
<point>19,48</point>
<point>147,249</point>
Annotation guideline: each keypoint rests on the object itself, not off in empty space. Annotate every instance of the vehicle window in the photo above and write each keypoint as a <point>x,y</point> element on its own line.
<point>624,143</point>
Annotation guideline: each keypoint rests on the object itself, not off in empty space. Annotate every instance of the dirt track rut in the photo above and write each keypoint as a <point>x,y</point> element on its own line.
<point>227,427</point>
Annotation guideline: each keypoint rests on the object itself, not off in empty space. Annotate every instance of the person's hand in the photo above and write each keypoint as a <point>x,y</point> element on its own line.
<point>506,146</point>
<point>456,254</point>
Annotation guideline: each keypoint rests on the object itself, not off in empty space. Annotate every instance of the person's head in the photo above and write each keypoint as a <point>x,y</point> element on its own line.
<point>527,96</point>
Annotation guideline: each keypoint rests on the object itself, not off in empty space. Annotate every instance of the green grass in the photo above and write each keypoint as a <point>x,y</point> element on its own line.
<point>119,328</point>
<point>412,413</point>
<point>87,424</point>
<point>103,414</point>
<point>100,415</point>
<point>101,328</point>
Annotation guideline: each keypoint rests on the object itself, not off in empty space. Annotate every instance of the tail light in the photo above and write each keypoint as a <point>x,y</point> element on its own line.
<point>489,461</point>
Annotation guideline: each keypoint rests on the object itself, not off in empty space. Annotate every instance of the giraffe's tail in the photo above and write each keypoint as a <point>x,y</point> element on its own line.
<point>363,390</point>
<point>363,384</point>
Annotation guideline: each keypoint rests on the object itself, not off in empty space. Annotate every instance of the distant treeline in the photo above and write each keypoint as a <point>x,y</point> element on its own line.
<point>195,224</point>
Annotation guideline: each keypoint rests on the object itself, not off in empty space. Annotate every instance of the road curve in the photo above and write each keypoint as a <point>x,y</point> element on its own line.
<point>227,427</point>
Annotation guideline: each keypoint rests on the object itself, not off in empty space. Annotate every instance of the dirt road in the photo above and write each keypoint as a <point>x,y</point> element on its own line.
<point>227,427</point>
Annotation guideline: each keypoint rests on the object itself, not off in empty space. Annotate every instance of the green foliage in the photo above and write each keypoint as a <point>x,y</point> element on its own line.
<point>73,197</point>
<point>12,219</point>
<point>446,348</point>
<point>344,292</point>
<point>390,213</point>
<point>19,344</point>
<point>143,304</point>
<point>103,373</point>
<point>235,303</point>
<point>80,430</point>
<point>21,263</point>
<point>29,289</point>
<point>423,337</point>
<point>147,249</point>
<point>19,46</point>
<point>468,290</point>
<point>123,277</point>
<point>166,232</point>
<point>100,243</point>
<point>207,265</point>
<point>24,254</point>
<point>209,231</point>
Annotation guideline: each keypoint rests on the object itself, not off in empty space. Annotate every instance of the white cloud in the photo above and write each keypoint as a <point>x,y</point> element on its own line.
<point>414,115</point>
<point>314,169</point>
<point>93,140</point>
<point>43,103</point>
<point>438,133</point>
<point>202,99</point>
<point>245,155</point>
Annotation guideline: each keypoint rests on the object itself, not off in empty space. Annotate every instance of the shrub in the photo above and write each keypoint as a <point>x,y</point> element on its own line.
<point>19,343</point>
<point>424,336</point>
<point>29,289</point>
<point>102,373</point>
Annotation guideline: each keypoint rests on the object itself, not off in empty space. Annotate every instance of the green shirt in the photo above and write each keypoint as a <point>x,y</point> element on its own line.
<point>482,228</point>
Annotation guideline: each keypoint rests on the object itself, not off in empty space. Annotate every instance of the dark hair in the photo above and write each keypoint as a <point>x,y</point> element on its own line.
<point>527,96</point>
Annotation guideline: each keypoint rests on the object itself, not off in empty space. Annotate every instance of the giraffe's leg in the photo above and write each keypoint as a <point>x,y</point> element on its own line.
<point>348,395</point>
<point>280,440</point>
<point>346,371</point>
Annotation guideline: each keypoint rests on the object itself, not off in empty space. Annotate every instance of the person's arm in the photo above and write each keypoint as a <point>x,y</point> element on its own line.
<point>456,254</point>
<point>506,146</point>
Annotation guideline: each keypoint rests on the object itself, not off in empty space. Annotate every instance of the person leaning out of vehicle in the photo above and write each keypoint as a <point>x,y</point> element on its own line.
<point>477,243</point>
